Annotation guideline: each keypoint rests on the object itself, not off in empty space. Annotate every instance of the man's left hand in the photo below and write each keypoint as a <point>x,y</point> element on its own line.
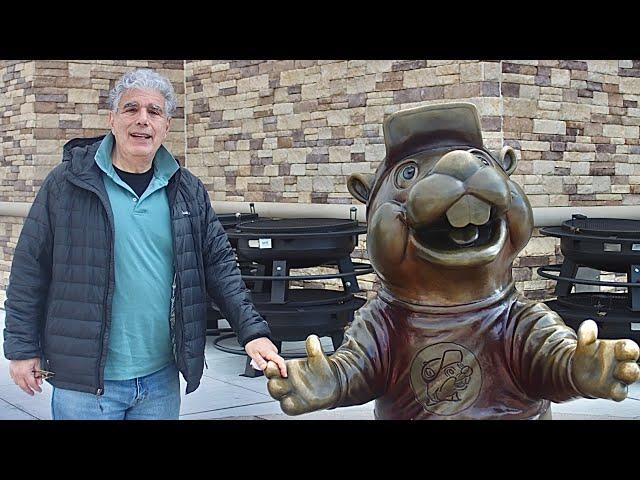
<point>261,350</point>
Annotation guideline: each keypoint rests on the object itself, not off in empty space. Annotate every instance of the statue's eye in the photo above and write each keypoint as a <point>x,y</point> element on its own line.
<point>409,172</point>
<point>406,174</point>
<point>482,156</point>
<point>449,372</point>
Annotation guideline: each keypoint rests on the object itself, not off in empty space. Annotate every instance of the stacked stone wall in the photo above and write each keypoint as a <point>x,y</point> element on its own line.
<point>293,130</point>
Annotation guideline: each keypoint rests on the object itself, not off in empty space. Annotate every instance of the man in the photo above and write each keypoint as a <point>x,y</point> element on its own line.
<point>108,288</point>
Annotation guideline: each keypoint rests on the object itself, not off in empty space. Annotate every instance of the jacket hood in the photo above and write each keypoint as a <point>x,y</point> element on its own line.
<point>80,146</point>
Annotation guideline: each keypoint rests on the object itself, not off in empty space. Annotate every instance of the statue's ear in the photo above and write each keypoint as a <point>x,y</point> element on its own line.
<point>508,159</point>
<point>359,185</point>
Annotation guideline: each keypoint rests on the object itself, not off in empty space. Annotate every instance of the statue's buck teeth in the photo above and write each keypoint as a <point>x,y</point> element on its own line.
<point>468,209</point>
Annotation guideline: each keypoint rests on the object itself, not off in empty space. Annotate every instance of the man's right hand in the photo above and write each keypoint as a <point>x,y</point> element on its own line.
<point>311,383</point>
<point>22,374</point>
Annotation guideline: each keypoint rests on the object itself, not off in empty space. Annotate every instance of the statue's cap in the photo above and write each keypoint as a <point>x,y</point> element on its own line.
<point>411,131</point>
<point>415,130</point>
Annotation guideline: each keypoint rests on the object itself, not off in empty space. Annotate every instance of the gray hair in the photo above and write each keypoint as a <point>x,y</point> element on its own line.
<point>144,79</point>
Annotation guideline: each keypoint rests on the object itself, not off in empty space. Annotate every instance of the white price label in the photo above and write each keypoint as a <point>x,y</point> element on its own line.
<point>635,327</point>
<point>254,243</point>
<point>265,243</point>
<point>611,247</point>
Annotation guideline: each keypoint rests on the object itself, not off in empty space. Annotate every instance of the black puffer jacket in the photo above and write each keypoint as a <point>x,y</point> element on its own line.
<point>61,285</point>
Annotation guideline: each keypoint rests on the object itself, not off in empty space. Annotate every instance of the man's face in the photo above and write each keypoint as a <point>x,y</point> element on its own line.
<point>140,124</point>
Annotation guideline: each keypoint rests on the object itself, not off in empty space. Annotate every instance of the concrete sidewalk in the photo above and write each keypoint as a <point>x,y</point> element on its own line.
<point>224,394</point>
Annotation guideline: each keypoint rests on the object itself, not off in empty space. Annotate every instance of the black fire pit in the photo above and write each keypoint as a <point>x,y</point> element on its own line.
<point>303,242</point>
<point>275,247</point>
<point>606,244</point>
<point>609,244</point>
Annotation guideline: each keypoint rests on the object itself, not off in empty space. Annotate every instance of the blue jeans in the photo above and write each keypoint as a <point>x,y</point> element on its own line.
<point>153,397</point>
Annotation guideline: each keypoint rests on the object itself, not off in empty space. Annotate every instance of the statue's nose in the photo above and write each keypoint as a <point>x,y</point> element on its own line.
<point>462,186</point>
<point>459,164</point>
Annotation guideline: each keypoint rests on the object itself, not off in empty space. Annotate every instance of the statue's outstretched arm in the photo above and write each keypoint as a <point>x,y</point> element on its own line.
<point>551,362</point>
<point>353,375</point>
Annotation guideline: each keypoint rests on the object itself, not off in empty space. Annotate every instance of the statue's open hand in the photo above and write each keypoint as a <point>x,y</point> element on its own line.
<point>604,368</point>
<point>311,383</point>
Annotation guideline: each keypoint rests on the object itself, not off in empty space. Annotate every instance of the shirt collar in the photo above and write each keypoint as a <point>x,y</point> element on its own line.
<point>164,164</point>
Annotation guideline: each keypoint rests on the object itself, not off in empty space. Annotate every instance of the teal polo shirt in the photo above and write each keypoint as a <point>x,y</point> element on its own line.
<point>140,340</point>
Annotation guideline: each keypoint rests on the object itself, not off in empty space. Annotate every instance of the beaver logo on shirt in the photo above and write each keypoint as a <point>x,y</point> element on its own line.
<point>445,378</point>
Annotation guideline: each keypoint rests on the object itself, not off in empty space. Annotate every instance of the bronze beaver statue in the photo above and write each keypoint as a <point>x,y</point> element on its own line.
<point>448,336</point>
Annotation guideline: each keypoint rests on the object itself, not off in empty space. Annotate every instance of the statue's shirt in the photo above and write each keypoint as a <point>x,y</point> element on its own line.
<point>466,362</point>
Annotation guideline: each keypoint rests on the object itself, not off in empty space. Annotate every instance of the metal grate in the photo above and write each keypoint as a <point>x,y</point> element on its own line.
<point>600,303</point>
<point>620,227</point>
<point>298,297</point>
<point>297,225</point>
<point>229,220</point>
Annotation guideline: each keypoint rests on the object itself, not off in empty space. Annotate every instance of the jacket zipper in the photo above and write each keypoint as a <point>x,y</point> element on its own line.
<point>100,389</point>
<point>178,309</point>
<point>178,296</point>
<point>103,328</point>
